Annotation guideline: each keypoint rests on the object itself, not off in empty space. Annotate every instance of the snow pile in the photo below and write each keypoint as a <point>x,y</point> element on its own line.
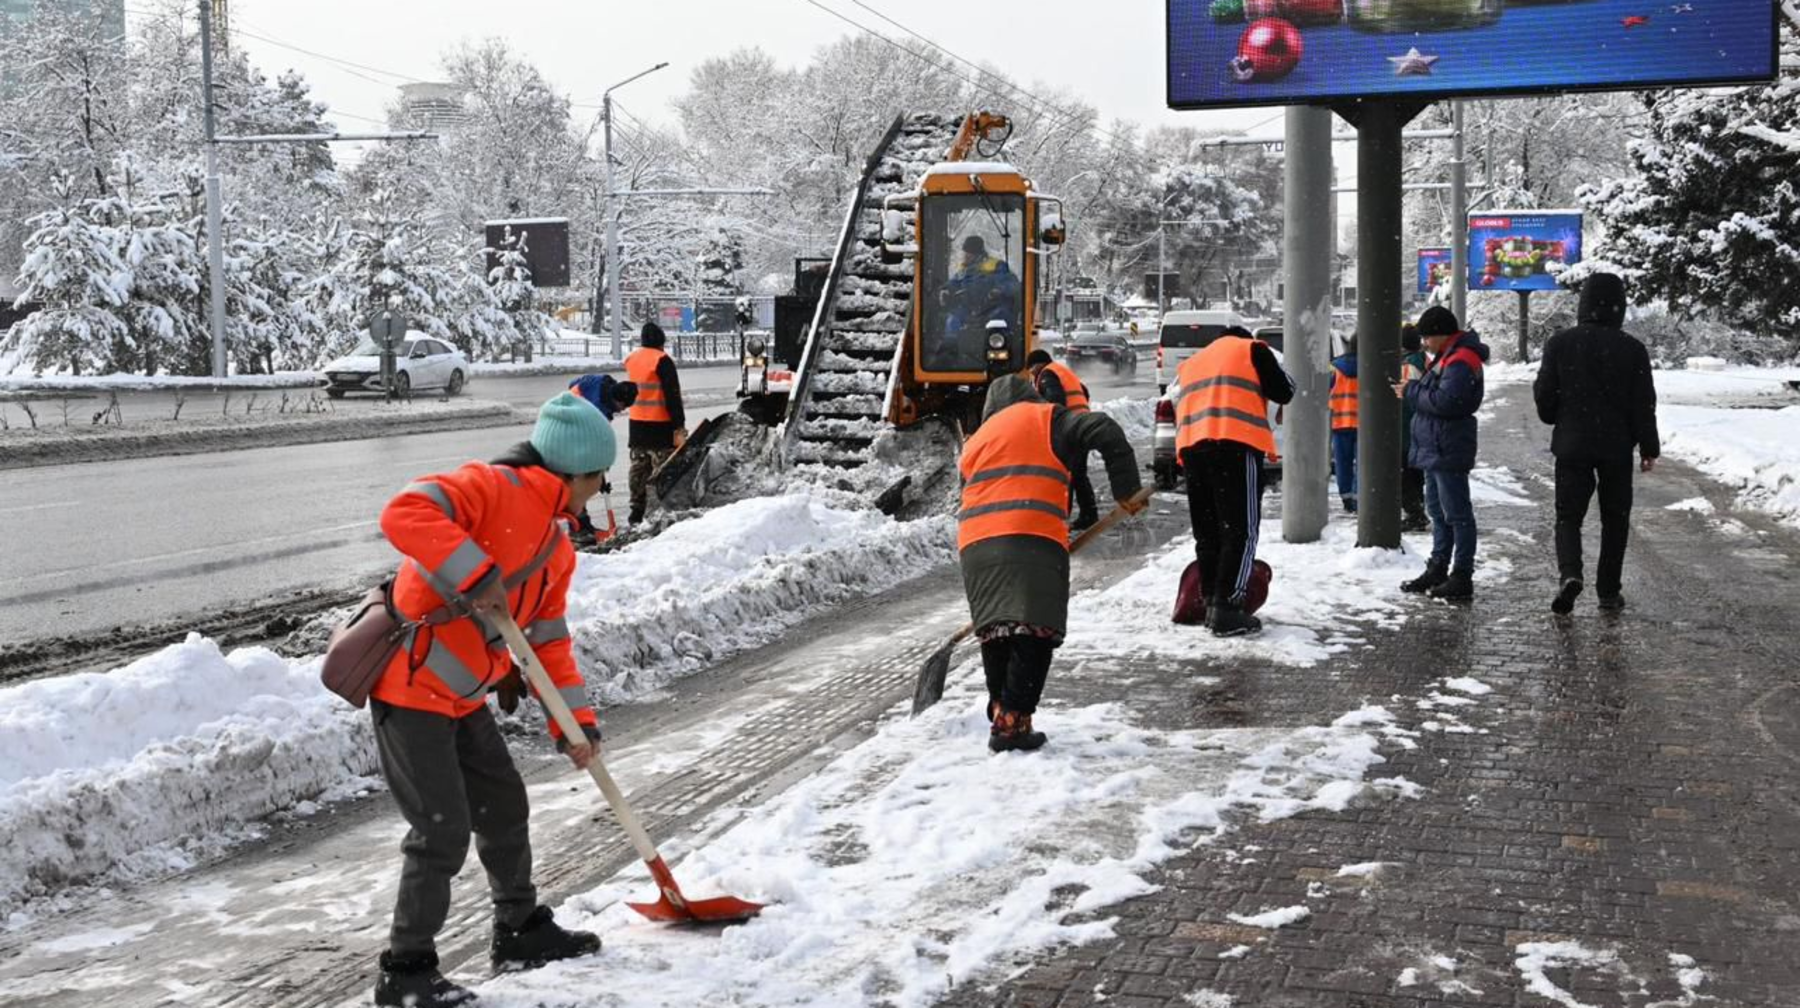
<point>733,578</point>
<point>1730,386</point>
<point>1754,451</point>
<point>145,769</point>
<point>1136,416</point>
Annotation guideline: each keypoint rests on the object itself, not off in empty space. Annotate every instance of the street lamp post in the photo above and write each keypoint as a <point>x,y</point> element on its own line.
<point>613,256</point>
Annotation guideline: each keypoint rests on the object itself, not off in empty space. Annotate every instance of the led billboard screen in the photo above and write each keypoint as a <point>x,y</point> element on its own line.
<point>1522,249</point>
<point>1282,52</point>
<point>1434,268</point>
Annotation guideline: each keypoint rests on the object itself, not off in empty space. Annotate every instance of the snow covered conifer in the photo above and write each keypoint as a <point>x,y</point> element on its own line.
<point>72,267</point>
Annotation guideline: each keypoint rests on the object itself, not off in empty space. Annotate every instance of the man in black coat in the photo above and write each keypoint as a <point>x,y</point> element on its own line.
<point>1594,384</point>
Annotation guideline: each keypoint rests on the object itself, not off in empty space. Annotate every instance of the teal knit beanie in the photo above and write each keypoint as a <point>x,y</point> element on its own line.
<point>573,437</point>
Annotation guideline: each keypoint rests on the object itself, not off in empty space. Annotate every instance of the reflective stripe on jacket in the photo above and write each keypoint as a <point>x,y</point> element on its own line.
<point>1343,400</point>
<point>650,406</point>
<point>1218,397</point>
<point>1013,483</point>
<point>1075,397</point>
<point>460,531</point>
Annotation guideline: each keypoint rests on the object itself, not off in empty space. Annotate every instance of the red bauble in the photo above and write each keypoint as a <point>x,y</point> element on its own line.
<point>1268,51</point>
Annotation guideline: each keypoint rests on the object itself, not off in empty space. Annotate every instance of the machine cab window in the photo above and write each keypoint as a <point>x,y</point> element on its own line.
<point>972,261</point>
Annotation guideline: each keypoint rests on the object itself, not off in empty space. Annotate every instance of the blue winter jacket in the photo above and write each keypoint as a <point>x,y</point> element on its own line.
<point>597,389</point>
<point>1444,402</point>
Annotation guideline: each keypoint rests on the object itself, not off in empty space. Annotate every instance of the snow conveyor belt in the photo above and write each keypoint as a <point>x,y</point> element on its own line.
<point>841,390</point>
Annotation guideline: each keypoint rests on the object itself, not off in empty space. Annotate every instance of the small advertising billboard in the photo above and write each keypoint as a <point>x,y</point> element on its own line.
<point>1234,53</point>
<point>1522,250</point>
<point>1434,268</point>
<point>546,242</point>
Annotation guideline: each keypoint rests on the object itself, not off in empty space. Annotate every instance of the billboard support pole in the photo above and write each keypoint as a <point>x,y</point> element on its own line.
<point>1378,298</point>
<point>1524,326</point>
<point>1459,218</point>
<point>1306,321</point>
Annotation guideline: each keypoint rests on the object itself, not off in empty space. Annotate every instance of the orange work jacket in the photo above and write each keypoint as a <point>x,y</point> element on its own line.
<point>1075,397</point>
<point>1343,400</point>
<point>650,406</point>
<point>1013,483</point>
<point>1219,397</point>
<point>459,530</point>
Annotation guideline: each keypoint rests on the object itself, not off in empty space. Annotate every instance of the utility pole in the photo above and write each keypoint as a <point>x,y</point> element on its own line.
<point>1459,217</point>
<point>614,256</point>
<point>1306,321</point>
<point>215,244</point>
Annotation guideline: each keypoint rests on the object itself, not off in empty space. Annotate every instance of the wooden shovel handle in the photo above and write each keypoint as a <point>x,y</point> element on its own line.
<point>572,733</point>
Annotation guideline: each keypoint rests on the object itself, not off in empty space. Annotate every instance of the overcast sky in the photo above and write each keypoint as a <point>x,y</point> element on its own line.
<point>1111,53</point>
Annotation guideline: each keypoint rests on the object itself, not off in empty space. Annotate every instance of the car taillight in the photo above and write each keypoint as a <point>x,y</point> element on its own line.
<point>1159,356</point>
<point>1165,411</point>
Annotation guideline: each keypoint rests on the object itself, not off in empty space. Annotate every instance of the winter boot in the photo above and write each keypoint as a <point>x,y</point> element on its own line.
<point>1084,521</point>
<point>1012,732</point>
<point>1415,521</point>
<point>1433,576</point>
<point>1228,619</point>
<point>1458,587</point>
<point>1564,602</point>
<point>1612,603</point>
<point>1349,505</point>
<point>538,941</point>
<point>414,982</point>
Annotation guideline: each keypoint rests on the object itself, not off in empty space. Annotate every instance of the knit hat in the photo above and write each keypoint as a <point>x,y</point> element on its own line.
<point>1038,356</point>
<point>573,438</point>
<point>1438,321</point>
<point>652,335</point>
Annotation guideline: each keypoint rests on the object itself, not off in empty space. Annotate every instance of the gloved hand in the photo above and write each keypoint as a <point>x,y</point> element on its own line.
<point>1135,504</point>
<point>582,755</point>
<point>509,689</point>
<point>680,438</point>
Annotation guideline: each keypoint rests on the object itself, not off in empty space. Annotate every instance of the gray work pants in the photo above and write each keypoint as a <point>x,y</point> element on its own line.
<point>452,777</point>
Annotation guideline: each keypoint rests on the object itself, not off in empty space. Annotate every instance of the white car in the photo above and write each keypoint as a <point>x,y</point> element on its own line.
<point>1182,335</point>
<point>423,362</point>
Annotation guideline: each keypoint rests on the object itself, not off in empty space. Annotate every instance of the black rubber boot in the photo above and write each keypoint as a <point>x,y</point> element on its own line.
<point>1013,733</point>
<point>1458,587</point>
<point>1228,619</point>
<point>1433,576</point>
<point>1612,603</point>
<point>1564,602</point>
<point>414,982</point>
<point>1349,505</point>
<point>538,941</point>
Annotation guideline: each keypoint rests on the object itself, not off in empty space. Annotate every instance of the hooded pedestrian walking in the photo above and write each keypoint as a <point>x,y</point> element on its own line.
<point>481,542</point>
<point>1444,441</point>
<point>1013,540</point>
<point>1222,396</point>
<point>658,421</point>
<point>1595,386</point>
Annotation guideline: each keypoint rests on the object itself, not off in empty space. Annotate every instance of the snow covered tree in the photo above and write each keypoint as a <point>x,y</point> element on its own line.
<point>513,290</point>
<point>387,266</point>
<point>1710,220</point>
<point>72,267</point>
<point>722,258</point>
<point>162,252</point>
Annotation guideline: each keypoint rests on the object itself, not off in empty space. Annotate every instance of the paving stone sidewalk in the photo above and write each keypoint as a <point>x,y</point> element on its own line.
<point>1630,786</point>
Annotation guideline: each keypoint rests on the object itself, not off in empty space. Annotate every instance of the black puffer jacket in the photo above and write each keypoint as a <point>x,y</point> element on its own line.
<point>1594,383</point>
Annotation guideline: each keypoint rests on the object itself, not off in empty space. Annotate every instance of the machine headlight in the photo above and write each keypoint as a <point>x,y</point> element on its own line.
<point>755,347</point>
<point>996,340</point>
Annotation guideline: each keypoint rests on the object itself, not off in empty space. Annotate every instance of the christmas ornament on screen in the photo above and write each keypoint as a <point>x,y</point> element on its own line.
<point>1268,51</point>
<point>1421,15</point>
<point>1301,13</point>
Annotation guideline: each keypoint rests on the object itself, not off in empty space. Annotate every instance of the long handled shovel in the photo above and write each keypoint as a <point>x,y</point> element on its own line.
<point>671,907</point>
<point>930,687</point>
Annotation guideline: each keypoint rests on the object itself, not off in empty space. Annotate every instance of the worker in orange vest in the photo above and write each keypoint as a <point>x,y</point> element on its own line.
<point>481,542</point>
<point>1057,384</point>
<point>1013,540</point>
<point>1222,396</point>
<point>658,421</point>
<point>1343,423</point>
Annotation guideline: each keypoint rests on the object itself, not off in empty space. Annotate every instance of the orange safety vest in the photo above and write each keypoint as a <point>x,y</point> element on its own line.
<point>458,530</point>
<point>1013,483</point>
<point>1219,397</point>
<point>1075,395</point>
<point>649,406</point>
<point>1343,400</point>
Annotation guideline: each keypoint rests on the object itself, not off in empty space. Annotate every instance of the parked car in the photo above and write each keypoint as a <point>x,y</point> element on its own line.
<point>1270,335</point>
<point>1165,465</point>
<point>423,362</point>
<point>1183,334</point>
<point>1112,349</point>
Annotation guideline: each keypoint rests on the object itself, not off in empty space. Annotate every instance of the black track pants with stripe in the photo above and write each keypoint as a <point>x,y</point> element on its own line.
<point>1224,487</point>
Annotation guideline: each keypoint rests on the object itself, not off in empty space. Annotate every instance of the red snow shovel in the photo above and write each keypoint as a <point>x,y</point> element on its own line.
<point>671,907</point>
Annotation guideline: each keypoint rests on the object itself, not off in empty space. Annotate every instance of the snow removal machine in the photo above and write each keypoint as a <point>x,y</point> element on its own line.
<point>930,294</point>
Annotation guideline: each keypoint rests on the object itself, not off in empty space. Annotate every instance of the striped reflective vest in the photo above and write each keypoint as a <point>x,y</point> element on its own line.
<point>1013,483</point>
<point>650,406</point>
<point>458,531</point>
<point>1343,400</point>
<point>1075,398</point>
<point>1218,397</point>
